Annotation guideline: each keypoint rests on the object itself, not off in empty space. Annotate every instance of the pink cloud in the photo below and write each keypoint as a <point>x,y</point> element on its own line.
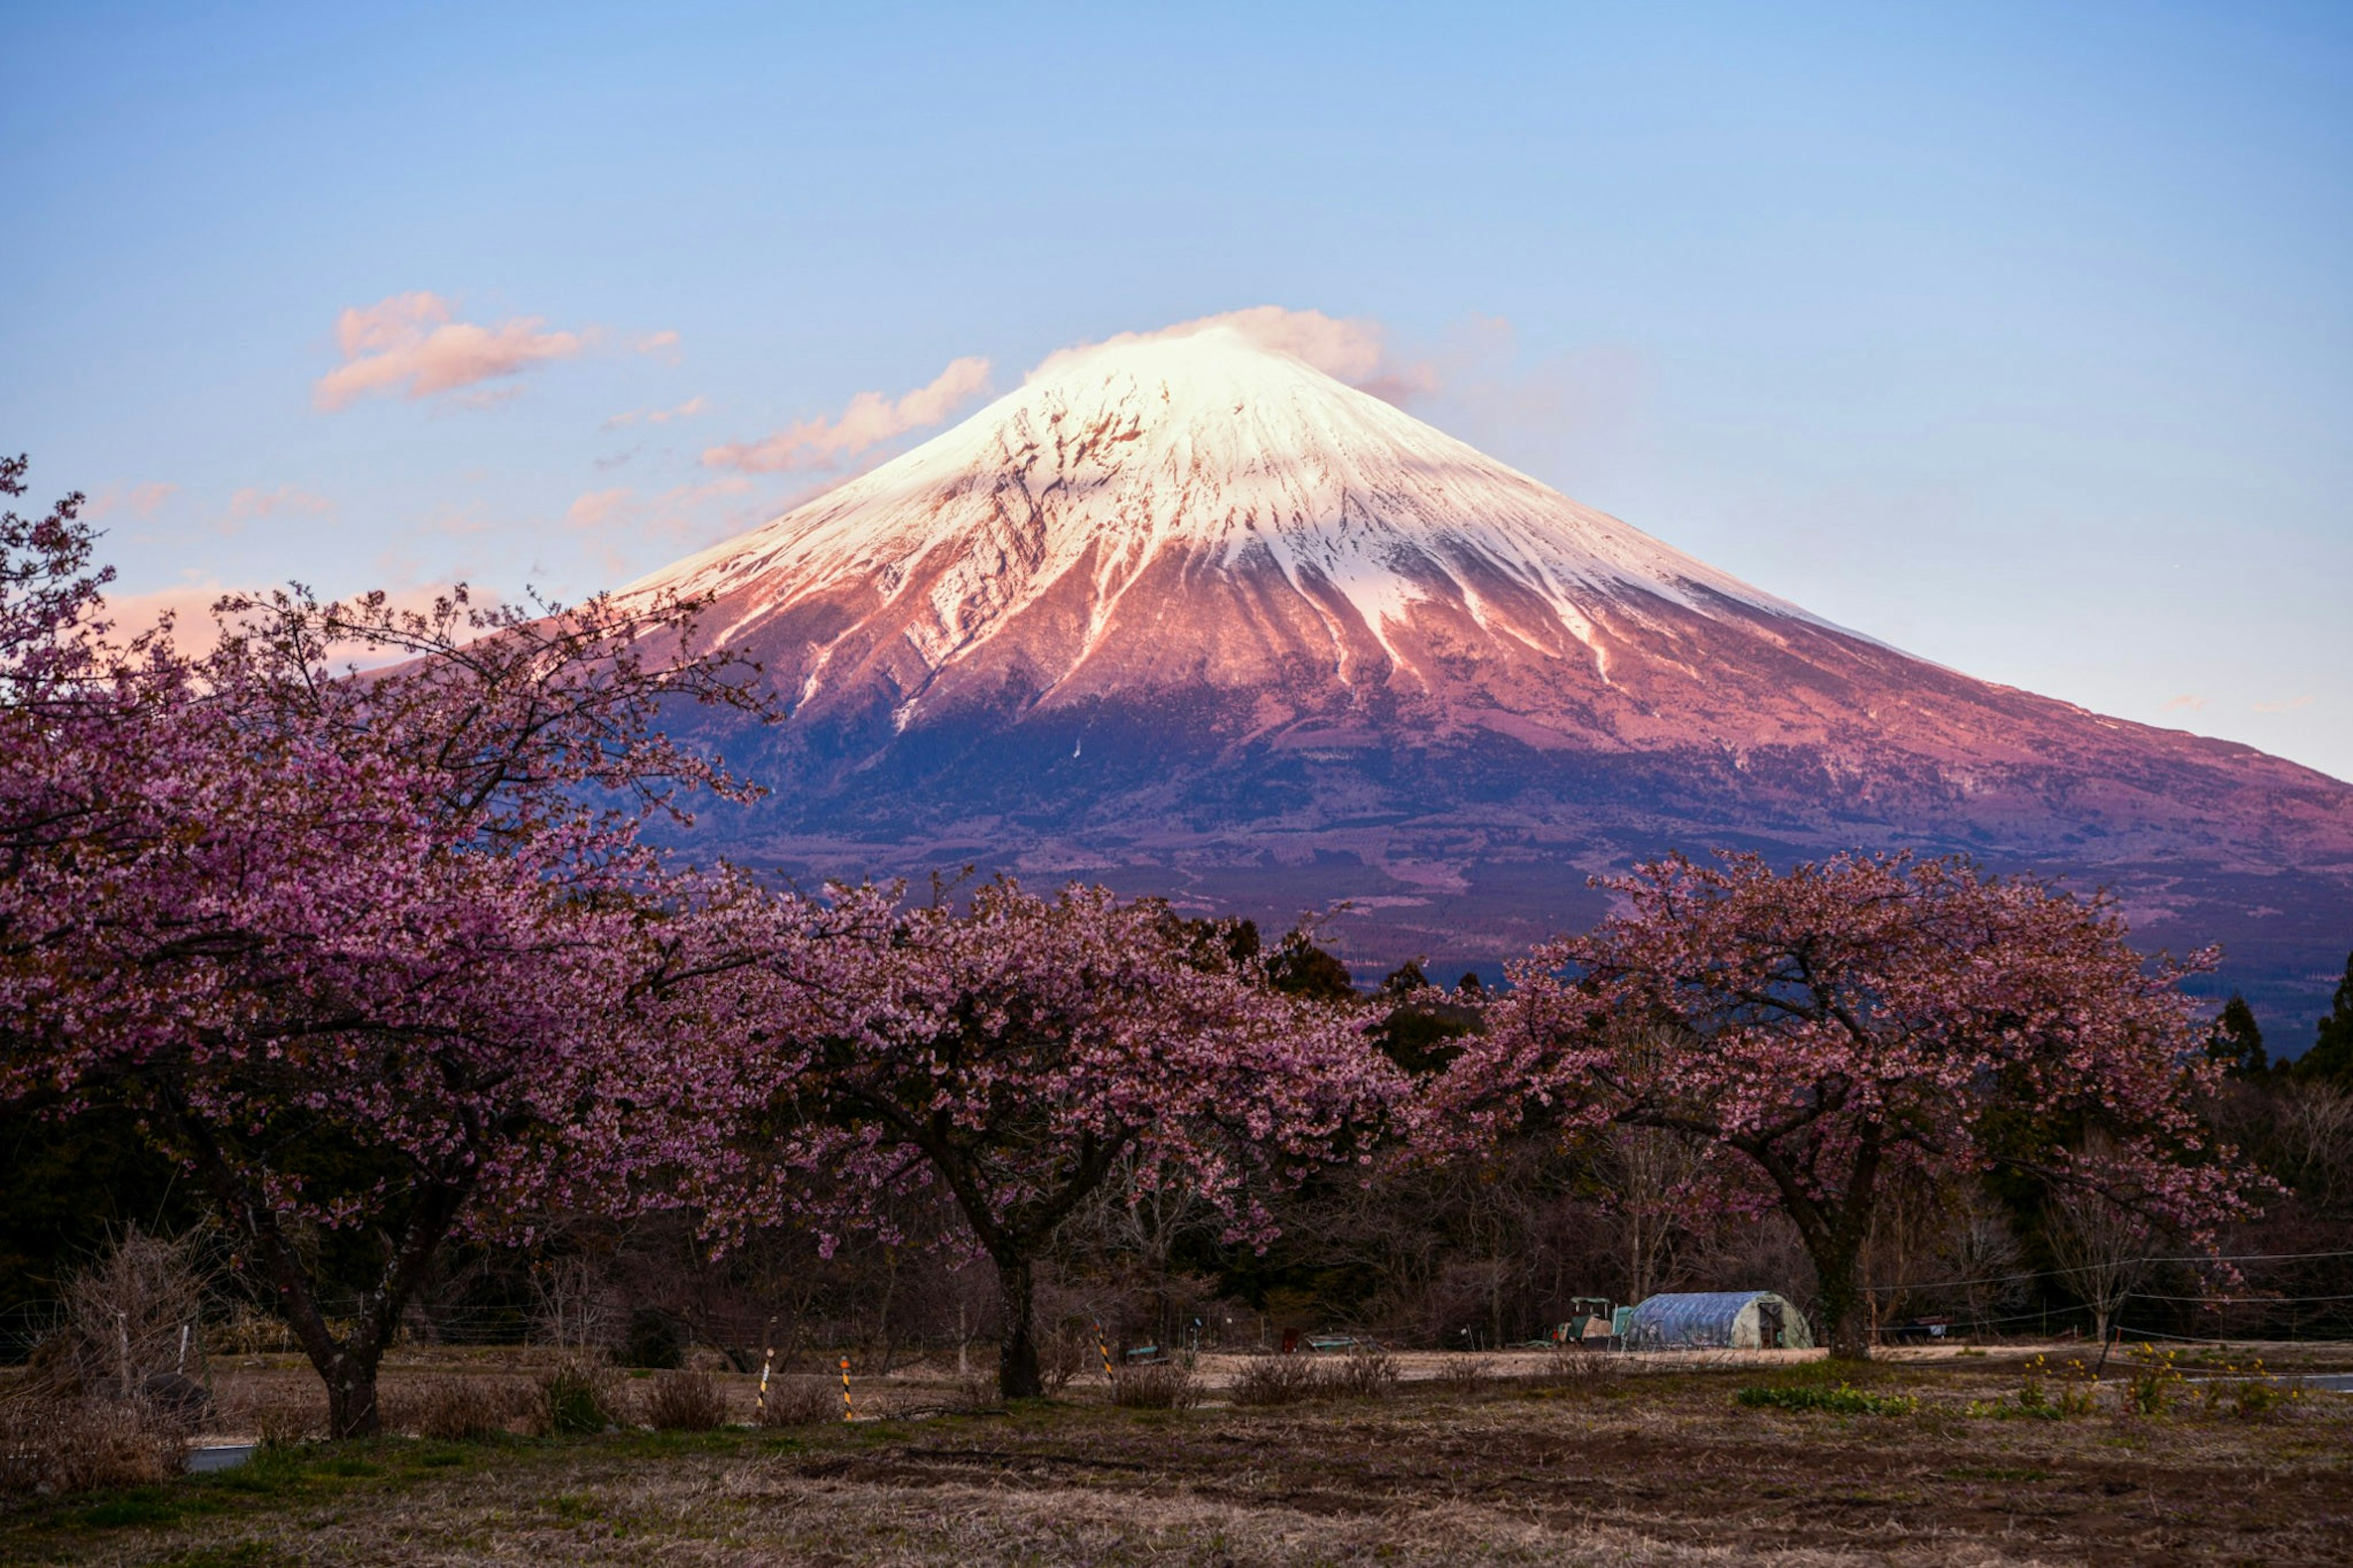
<point>662,342</point>
<point>596,508</point>
<point>143,499</point>
<point>2285,705</point>
<point>870,420</point>
<point>687,410</point>
<point>1352,348</point>
<point>2191,704</point>
<point>189,604</point>
<point>409,344</point>
<point>254,502</point>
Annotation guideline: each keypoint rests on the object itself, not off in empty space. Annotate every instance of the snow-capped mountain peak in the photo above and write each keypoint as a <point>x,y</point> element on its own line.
<point>1204,456</point>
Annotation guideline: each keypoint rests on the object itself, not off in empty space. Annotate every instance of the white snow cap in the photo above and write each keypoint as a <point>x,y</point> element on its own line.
<point>1219,438</point>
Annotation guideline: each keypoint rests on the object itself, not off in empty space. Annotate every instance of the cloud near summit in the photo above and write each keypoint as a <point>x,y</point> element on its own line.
<point>871,419</point>
<point>1351,349</point>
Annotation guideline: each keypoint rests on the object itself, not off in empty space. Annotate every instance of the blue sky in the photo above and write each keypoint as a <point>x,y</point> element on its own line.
<point>2022,338</point>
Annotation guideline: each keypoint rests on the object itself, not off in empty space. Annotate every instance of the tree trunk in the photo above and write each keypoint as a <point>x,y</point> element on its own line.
<point>352,1407</point>
<point>1846,1326</point>
<point>1017,1360</point>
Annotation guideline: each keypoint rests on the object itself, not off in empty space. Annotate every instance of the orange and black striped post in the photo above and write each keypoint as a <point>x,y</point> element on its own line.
<point>845,1389</point>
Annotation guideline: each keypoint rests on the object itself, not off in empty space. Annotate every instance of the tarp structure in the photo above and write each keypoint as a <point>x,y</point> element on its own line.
<point>1718,1319</point>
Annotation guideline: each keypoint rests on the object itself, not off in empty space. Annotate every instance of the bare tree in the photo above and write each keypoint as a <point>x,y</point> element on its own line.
<point>134,1316</point>
<point>2101,1247</point>
<point>1981,1251</point>
<point>1647,1176</point>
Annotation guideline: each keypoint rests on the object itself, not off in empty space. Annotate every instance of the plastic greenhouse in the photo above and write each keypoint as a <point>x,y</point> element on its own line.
<point>1718,1319</point>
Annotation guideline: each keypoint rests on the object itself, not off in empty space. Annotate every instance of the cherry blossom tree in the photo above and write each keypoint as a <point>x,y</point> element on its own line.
<point>376,953</point>
<point>1017,1054</point>
<point>1836,1025</point>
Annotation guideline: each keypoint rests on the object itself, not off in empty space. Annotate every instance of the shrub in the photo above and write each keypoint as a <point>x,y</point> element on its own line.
<point>684,1402</point>
<point>131,1320</point>
<point>1366,1372</point>
<point>581,1396</point>
<point>1842,1399</point>
<point>456,1409</point>
<point>800,1402</point>
<point>653,1341</point>
<point>1169,1385</point>
<point>1276,1379</point>
<point>1063,1354</point>
<point>1579,1369</point>
<point>53,1444</point>
<point>1464,1374</point>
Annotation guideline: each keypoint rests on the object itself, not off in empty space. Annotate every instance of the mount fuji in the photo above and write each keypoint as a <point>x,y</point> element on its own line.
<point>1187,615</point>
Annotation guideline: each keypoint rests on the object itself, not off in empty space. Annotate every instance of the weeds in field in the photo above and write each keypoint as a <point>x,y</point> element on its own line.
<point>800,1402</point>
<point>1063,1354</point>
<point>683,1402</point>
<point>277,1414</point>
<point>582,1397</point>
<point>1276,1379</point>
<point>2250,1393</point>
<point>1464,1374</point>
<point>1366,1372</point>
<point>1840,1399</point>
<point>2151,1382</point>
<point>456,1409</point>
<point>1168,1385</point>
<point>1565,1368</point>
<point>70,1445</point>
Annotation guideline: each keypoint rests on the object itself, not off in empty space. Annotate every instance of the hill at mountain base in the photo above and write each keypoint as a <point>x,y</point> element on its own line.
<point>1187,615</point>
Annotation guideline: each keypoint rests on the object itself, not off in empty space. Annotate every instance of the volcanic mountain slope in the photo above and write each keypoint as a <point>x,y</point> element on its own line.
<point>1188,612</point>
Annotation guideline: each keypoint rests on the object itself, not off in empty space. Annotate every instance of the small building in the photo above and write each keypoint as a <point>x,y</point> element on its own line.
<point>1718,1319</point>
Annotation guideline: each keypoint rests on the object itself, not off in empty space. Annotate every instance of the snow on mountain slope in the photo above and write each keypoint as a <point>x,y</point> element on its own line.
<point>1238,469</point>
<point>1185,604</point>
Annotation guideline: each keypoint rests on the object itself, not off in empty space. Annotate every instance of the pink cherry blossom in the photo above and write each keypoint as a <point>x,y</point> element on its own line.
<point>1828,1025</point>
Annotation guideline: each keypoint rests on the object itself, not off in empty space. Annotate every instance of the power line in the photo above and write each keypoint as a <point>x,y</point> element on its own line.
<point>2097,1267</point>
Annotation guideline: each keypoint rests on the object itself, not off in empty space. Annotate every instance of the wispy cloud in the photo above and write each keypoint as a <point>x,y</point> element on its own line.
<point>1352,348</point>
<point>2191,704</point>
<point>254,502</point>
<point>608,520</point>
<point>870,420</point>
<point>412,345</point>
<point>2285,705</point>
<point>593,510</point>
<point>142,498</point>
<point>189,606</point>
<point>664,343</point>
<point>687,410</point>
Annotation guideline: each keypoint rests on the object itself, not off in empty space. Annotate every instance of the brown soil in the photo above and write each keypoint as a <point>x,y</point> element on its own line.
<point>1651,1467</point>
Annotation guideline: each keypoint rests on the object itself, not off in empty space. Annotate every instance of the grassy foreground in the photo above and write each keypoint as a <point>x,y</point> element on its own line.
<point>1937,1465</point>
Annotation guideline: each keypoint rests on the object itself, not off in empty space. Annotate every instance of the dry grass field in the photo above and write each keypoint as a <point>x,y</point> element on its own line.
<point>1525,1460</point>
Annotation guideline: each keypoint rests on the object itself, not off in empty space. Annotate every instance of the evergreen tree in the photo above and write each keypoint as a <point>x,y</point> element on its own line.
<point>2236,1042</point>
<point>2330,1061</point>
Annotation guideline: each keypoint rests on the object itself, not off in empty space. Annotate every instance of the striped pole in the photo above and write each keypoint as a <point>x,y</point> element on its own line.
<point>845,1389</point>
<point>768,1359</point>
<point>1103,1344</point>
